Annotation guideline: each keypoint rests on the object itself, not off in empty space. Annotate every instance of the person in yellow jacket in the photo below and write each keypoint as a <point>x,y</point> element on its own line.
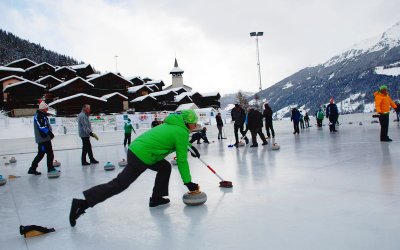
<point>382,106</point>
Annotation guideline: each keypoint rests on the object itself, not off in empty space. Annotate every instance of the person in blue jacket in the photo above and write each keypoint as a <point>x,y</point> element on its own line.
<point>296,119</point>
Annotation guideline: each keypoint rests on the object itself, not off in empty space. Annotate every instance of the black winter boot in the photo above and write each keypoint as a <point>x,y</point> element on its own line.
<point>154,202</point>
<point>78,208</point>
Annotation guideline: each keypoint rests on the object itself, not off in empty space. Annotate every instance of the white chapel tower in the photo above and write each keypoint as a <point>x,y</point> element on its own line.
<point>177,79</point>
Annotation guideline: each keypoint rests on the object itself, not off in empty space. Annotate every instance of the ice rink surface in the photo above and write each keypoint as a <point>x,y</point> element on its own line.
<point>319,191</point>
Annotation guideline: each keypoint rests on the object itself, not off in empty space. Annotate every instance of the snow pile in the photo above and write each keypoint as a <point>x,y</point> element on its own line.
<point>288,85</point>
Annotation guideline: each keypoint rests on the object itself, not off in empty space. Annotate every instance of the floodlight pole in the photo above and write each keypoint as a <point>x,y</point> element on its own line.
<point>116,64</point>
<point>257,34</point>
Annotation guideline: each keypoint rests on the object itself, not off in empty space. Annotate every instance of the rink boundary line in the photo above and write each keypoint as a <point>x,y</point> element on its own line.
<point>60,149</point>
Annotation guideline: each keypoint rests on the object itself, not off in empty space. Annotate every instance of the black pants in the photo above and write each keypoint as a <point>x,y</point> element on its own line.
<point>307,123</point>
<point>332,123</point>
<point>124,179</point>
<point>296,127</point>
<point>242,131</point>
<point>219,131</point>
<point>384,121</point>
<point>254,133</point>
<point>197,137</point>
<point>319,123</point>
<point>268,126</point>
<point>127,138</point>
<point>86,149</point>
<point>44,148</point>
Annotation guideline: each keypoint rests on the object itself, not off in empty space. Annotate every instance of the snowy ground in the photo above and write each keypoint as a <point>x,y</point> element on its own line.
<point>319,191</point>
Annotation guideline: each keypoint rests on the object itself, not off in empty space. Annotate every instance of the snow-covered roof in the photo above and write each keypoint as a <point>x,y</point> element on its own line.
<point>141,98</point>
<point>93,75</point>
<point>130,78</point>
<point>113,94</point>
<point>101,75</point>
<point>187,106</point>
<point>20,60</point>
<point>210,94</point>
<point>3,68</point>
<point>179,98</point>
<point>164,92</point>
<point>23,82</point>
<point>152,86</point>
<point>65,67</point>
<point>177,89</point>
<point>186,87</point>
<point>134,89</point>
<point>183,94</point>
<point>206,110</point>
<point>79,66</point>
<point>76,96</point>
<point>176,70</point>
<point>40,64</point>
<point>155,82</point>
<point>69,82</point>
<point>48,76</point>
<point>11,77</point>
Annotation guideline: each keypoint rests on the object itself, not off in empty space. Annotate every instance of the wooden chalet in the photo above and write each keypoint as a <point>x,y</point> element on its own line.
<point>116,103</point>
<point>137,91</point>
<point>144,103</point>
<point>164,96</point>
<point>147,79</point>
<point>72,105</point>
<point>179,90</point>
<point>83,70</point>
<point>65,73</point>
<point>153,87</point>
<point>49,81</point>
<point>39,70</point>
<point>22,97</point>
<point>71,87</point>
<point>159,83</point>
<point>188,97</point>
<point>9,71</point>
<point>5,82</point>
<point>210,100</point>
<point>23,63</point>
<point>135,80</point>
<point>108,83</point>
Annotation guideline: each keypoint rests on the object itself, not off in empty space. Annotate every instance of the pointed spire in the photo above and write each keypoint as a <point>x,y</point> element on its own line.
<point>176,63</point>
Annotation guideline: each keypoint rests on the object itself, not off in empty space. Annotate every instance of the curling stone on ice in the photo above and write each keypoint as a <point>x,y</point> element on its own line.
<point>13,160</point>
<point>194,198</point>
<point>173,161</point>
<point>53,174</point>
<point>275,146</point>
<point>241,144</point>
<point>56,164</point>
<point>2,181</point>
<point>109,166</point>
<point>122,163</point>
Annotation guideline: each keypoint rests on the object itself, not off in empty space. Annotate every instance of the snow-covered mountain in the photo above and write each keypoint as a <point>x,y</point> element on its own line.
<point>354,74</point>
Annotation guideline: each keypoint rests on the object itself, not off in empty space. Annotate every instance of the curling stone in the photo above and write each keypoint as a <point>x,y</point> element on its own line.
<point>13,160</point>
<point>275,146</point>
<point>2,181</point>
<point>194,198</point>
<point>241,144</point>
<point>122,163</point>
<point>56,164</point>
<point>109,166</point>
<point>53,174</point>
<point>360,123</point>
<point>173,161</point>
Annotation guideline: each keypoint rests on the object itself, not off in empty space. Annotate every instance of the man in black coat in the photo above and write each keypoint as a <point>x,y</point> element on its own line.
<point>238,117</point>
<point>332,113</point>
<point>255,124</point>
<point>268,120</point>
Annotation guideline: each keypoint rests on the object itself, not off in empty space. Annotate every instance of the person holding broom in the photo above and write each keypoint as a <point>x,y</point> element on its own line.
<point>148,152</point>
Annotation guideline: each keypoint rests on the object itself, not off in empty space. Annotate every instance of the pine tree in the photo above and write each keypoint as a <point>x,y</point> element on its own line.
<point>241,99</point>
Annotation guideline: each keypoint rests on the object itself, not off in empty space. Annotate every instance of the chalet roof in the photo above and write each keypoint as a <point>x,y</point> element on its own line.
<point>76,96</point>
<point>40,64</point>
<point>69,82</point>
<point>108,73</point>
<point>130,78</point>
<point>179,98</point>
<point>177,89</point>
<point>152,85</point>
<point>134,89</point>
<point>164,92</point>
<point>93,75</point>
<point>113,94</point>
<point>155,82</point>
<point>79,66</point>
<point>187,106</point>
<point>20,60</point>
<point>182,95</point>
<point>141,98</point>
<point>147,78</point>
<point>3,68</point>
<point>47,77</point>
<point>11,77</point>
<point>65,67</point>
<point>23,82</point>
<point>207,110</point>
<point>186,87</point>
<point>211,94</point>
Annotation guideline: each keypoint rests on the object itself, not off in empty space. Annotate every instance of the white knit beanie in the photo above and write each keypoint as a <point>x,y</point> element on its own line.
<point>43,105</point>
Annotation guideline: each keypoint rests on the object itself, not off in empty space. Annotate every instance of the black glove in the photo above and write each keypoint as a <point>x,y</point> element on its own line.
<point>91,134</point>
<point>196,152</point>
<point>51,134</point>
<point>192,186</point>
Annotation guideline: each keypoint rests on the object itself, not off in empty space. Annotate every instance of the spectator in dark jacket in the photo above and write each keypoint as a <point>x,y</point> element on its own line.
<point>238,117</point>
<point>307,120</point>
<point>332,113</point>
<point>43,137</point>
<point>296,119</point>
<point>255,124</point>
<point>268,120</point>
<point>220,124</point>
<point>200,135</point>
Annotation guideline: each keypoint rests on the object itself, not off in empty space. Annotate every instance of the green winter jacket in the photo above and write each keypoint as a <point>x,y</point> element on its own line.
<point>158,142</point>
<point>128,128</point>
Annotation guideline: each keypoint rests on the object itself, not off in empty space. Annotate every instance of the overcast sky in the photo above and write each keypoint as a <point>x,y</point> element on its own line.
<point>210,38</point>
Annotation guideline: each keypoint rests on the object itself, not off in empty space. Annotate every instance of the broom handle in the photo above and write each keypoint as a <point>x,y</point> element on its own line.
<point>208,166</point>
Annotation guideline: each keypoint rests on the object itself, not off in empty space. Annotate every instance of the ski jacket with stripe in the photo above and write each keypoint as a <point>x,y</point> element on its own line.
<point>158,142</point>
<point>41,127</point>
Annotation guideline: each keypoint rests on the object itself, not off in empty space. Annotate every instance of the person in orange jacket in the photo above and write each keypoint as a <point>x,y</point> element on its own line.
<point>382,106</point>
